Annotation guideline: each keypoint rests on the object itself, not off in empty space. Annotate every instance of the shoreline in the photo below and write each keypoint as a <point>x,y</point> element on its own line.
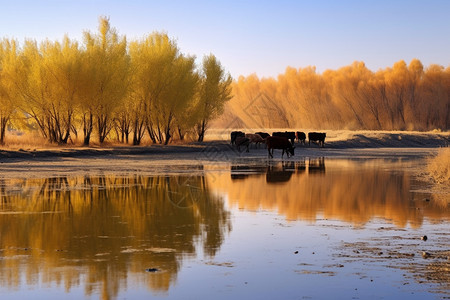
<point>356,143</point>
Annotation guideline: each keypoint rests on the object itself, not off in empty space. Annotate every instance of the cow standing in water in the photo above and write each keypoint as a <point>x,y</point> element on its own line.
<point>317,136</point>
<point>255,138</point>
<point>264,135</point>
<point>234,135</point>
<point>301,137</point>
<point>276,142</point>
<point>242,141</point>
<point>290,135</point>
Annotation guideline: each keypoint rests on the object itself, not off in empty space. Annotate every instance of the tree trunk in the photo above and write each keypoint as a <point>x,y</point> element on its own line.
<point>102,126</point>
<point>138,132</point>
<point>150,131</point>
<point>3,125</point>
<point>201,131</point>
<point>168,136</point>
<point>181,134</point>
<point>87,128</point>
<point>167,131</point>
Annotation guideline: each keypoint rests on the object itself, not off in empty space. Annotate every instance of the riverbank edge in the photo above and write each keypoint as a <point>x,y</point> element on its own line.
<point>356,141</point>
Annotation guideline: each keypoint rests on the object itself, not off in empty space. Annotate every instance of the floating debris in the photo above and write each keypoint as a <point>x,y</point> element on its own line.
<point>151,270</point>
<point>426,254</point>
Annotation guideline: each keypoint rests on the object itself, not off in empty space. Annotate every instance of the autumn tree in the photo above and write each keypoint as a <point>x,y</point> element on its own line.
<point>305,96</point>
<point>62,63</point>
<point>434,106</point>
<point>123,119</point>
<point>163,86</point>
<point>215,91</point>
<point>106,66</point>
<point>180,94</point>
<point>151,61</point>
<point>8,102</point>
<point>405,96</point>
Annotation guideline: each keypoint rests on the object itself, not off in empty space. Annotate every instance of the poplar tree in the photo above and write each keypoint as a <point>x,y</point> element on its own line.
<point>8,102</point>
<point>106,78</point>
<point>215,91</point>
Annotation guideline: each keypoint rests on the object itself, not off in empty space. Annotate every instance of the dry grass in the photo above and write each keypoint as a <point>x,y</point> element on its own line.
<point>25,141</point>
<point>439,166</point>
<point>33,140</point>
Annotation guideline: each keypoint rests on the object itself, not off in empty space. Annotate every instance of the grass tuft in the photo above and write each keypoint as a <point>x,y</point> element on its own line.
<point>439,166</point>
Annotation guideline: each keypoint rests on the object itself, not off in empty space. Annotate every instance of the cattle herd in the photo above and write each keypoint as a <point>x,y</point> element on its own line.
<point>278,140</point>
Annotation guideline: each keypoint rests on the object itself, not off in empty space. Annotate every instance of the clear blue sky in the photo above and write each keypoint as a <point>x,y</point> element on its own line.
<point>262,37</point>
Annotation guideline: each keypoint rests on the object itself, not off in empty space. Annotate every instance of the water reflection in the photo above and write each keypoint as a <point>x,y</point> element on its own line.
<point>280,172</point>
<point>346,190</point>
<point>103,232</point>
<point>316,165</point>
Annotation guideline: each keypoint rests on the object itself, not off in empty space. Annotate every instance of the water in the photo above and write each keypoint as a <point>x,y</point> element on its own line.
<point>310,228</point>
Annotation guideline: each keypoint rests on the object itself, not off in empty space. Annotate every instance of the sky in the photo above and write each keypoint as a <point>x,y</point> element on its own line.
<point>260,37</point>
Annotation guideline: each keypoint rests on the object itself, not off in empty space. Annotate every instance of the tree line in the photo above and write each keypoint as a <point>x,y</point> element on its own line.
<point>402,97</point>
<point>109,87</point>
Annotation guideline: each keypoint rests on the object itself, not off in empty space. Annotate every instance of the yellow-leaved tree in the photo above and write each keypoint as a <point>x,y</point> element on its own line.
<point>105,84</point>
<point>180,94</point>
<point>8,92</point>
<point>215,91</point>
<point>62,64</point>
<point>164,83</point>
<point>151,61</point>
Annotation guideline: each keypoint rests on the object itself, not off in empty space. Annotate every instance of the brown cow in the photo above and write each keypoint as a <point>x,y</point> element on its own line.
<point>254,138</point>
<point>290,135</point>
<point>278,142</point>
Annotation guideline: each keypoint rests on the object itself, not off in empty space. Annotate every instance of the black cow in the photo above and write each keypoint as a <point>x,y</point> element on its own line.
<point>317,136</point>
<point>301,137</point>
<point>236,134</point>
<point>290,135</point>
<point>263,134</point>
<point>279,142</point>
<point>242,141</point>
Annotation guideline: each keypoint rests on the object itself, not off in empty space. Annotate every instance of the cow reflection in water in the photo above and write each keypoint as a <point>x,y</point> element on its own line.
<point>316,165</point>
<point>281,172</point>
<point>244,171</point>
<point>300,166</point>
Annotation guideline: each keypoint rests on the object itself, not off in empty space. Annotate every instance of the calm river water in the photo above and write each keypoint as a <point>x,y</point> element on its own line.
<point>305,229</point>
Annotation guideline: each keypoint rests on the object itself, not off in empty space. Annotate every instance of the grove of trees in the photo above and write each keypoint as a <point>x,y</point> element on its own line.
<point>403,97</point>
<point>108,87</point>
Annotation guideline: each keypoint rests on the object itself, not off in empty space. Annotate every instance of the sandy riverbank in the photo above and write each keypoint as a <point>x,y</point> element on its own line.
<point>336,140</point>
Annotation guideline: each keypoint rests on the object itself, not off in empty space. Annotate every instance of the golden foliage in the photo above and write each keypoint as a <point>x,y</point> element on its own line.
<point>404,97</point>
<point>109,86</point>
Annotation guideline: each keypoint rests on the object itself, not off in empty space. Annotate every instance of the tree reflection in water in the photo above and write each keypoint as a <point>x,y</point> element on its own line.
<point>103,231</point>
